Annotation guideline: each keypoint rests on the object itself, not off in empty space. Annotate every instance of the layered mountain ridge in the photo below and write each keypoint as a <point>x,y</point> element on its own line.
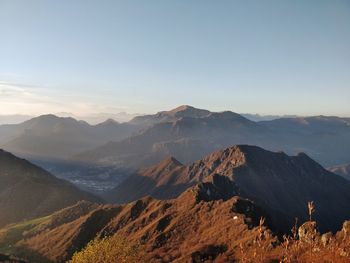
<point>99,157</point>
<point>189,134</point>
<point>279,183</point>
<point>52,137</point>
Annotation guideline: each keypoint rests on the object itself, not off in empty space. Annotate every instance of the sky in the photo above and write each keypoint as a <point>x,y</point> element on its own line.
<point>84,57</point>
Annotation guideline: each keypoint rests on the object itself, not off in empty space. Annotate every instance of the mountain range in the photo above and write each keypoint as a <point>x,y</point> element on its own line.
<point>280,184</point>
<point>92,119</point>
<point>189,134</point>
<point>52,137</point>
<point>228,206</point>
<point>98,157</point>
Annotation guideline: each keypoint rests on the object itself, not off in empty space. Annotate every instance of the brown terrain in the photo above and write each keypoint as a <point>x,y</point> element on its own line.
<point>234,205</point>
<point>201,225</point>
<point>198,224</point>
<point>279,183</point>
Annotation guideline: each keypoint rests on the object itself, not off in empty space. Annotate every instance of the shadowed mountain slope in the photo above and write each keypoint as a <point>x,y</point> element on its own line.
<point>27,191</point>
<point>279,183</point>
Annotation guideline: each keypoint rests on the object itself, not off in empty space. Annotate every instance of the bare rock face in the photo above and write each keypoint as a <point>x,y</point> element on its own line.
<point>216,187</point>
<point>308,232</point>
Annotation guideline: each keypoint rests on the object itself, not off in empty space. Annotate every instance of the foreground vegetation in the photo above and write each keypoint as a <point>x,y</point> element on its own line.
<point>109,249</point>
<point>305,244</point>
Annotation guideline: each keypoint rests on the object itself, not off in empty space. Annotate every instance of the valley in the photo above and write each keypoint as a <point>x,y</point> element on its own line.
<point>211,209</point>
<point>107,153</point>
<point>174,131</point>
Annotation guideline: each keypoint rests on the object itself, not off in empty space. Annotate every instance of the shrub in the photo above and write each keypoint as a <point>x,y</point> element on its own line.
<point>109,250</point>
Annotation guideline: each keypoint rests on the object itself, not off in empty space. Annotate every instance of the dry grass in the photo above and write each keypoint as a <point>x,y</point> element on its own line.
<point>304,245</point>
<point>183,230</point>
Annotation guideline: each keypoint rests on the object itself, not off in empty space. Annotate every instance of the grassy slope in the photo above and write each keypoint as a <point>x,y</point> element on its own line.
<point>13,233</point>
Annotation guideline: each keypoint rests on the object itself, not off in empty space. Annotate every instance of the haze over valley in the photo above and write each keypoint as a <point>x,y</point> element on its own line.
<point>174,131</point>
<point>98,157</point>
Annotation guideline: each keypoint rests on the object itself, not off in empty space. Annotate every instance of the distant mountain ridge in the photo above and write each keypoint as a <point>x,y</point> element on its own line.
<point>27,191</point>
<point>172,115</point>
<point>259,117</point>
<point>107,152</point>
<point>342,170</point>
<point>180,133</point>
<point>189,134</point>
<point>96,118</point>
<point>49,136</point>
<point>279,183</point>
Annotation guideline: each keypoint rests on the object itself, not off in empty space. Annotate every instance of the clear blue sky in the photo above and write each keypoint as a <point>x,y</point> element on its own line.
<point>269,57</point>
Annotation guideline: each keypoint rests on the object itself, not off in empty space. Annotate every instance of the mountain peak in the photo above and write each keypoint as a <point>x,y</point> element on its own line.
<point>171,115</point>
<point>109,121</point>
<point>163,167</point>
<point>279,183</point>
<point>49,119</point>
<point>170,161</point>
<point>185,111</point>
<point>183,108</point>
